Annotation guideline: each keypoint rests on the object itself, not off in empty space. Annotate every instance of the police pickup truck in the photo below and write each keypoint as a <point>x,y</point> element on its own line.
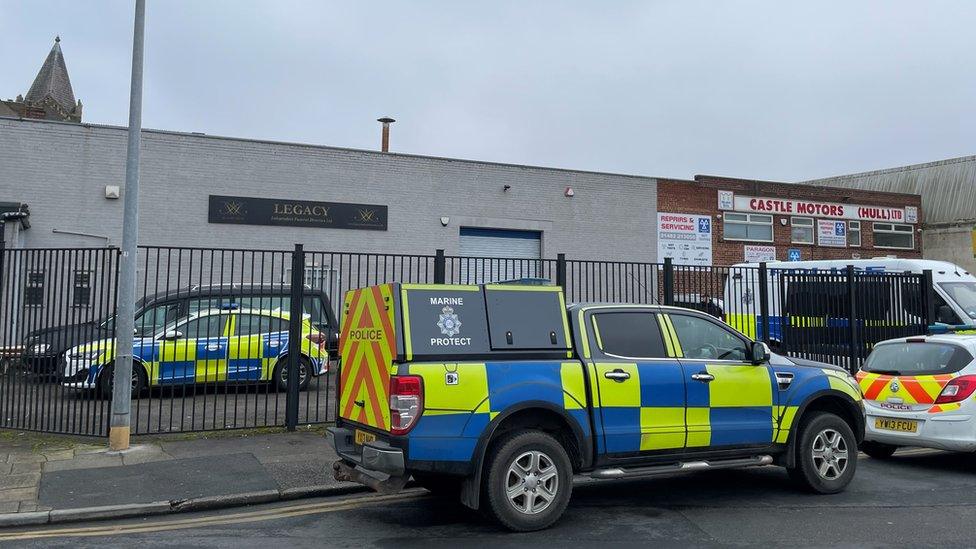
<point>500,394</point>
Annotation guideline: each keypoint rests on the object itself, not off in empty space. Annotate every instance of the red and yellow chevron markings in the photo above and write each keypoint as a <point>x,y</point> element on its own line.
<point>368,345</point>
<point>912,389</point>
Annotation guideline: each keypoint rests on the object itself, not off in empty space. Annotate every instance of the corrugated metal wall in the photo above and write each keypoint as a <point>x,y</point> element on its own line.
<point>948,187</point>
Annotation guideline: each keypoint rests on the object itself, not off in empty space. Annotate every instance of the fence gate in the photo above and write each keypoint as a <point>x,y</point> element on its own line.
<point>838,316</point>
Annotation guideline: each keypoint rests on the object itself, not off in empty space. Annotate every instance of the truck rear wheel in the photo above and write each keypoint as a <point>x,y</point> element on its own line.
<point>826,454</point>
<point>529,481</point>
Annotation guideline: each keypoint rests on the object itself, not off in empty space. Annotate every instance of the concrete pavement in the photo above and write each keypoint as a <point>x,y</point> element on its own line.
<point>41,474</point>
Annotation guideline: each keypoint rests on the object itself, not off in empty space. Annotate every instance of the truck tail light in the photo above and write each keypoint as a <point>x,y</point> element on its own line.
<point>406,403</point>
<point>957,390</point>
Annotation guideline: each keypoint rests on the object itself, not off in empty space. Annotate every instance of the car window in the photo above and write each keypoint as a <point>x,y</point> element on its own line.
<point>153,319</point>
<point>311,305</point>
<point>260,324</point>
<point>203,327</point>
<point>916,358</point>
<point>704,339</point>
<point>629,334</point>
<point>216,302</point>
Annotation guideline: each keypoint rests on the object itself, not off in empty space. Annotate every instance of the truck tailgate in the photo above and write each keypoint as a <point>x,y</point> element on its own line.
<point>368,346</point>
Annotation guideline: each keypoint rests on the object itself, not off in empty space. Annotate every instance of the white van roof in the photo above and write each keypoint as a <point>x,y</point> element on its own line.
<point>877,264</point>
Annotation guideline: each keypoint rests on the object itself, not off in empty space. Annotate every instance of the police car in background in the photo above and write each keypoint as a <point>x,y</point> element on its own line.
<point>918,391</point>
<point>209,346</point>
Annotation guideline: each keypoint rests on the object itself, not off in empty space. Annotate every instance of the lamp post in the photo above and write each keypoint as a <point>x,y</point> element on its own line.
<point>119,428</point>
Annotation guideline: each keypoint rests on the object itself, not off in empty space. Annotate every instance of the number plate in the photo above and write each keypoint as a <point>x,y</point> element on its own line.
<point>362,437</point>
<point>891,424</point>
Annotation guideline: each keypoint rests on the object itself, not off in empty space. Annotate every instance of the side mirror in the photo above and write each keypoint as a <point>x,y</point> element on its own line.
<point>759,353</point>
<point>945,315</point>
<point>173,334</point>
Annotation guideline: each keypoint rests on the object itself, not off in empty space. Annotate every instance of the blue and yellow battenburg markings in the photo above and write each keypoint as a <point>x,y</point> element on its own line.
<point>658,408</point>
<point>455,416</point>
<point>228,357</point>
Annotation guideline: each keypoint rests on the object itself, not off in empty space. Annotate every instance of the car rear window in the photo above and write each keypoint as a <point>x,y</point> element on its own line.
<point>916,358</point>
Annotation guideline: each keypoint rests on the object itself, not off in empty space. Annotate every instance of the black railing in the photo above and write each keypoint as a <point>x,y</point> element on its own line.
<point>212,323</point>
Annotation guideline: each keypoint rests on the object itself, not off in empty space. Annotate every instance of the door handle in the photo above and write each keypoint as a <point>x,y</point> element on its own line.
<point>704,377</point>
<point>213,346</point>
<point>617,375</point>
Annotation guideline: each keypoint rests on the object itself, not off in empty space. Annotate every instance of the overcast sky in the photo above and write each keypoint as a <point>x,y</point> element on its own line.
<point>767,90</point>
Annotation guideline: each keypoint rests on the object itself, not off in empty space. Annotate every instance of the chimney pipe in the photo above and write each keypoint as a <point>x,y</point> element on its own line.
<point>386,121</point>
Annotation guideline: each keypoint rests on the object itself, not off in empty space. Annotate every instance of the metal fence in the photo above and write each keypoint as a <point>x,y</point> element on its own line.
<point>223,369</point>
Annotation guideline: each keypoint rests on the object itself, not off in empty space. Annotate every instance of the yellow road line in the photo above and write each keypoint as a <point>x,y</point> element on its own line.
<point>216,520</point>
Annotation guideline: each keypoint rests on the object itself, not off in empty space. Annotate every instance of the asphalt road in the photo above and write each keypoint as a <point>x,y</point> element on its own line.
<point>918,498</point>
<point>35,404</point>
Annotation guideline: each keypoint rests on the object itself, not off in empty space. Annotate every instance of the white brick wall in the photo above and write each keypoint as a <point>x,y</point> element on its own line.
<point>61,170</point>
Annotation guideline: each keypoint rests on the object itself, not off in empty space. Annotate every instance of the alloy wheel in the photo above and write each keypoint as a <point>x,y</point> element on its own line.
<point>830,454</point>
<point>532,482</point>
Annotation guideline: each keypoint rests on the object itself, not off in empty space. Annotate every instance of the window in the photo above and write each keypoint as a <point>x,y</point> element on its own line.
<point>802,230</point>
<point>153,319</point>
<point>703,339</point>
<point>34,289</point>
<point>893,235</point>
<point>629,334</point>
<point>312,305</point>
<point>81,296</point>
<point>203,327</point>
<point>260,324</point>
<point>854,233</point>
<point>963,294</point>
<point>914,359</point>
<point>756,227</point>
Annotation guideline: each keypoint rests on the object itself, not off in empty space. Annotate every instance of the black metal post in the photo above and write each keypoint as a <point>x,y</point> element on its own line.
<point>852,320</point>
<point>561,271</point>
<point>928,300</point>
<point>440,267</point>
<point>764,301</point>
<point>295,336</point>
<point>668,282</point>
<point>3,253</point>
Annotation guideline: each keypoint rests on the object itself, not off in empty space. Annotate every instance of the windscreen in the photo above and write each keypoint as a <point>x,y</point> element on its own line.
<point>911,359</point>
<point>964,294</point>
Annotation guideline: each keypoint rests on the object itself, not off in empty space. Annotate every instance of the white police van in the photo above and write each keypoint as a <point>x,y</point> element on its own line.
<point>955,292</point>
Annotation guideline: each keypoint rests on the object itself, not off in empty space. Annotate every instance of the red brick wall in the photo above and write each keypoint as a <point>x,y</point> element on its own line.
<point>701,197</point>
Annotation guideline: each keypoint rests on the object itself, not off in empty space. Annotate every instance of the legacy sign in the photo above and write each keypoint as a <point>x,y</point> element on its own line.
<point>783,206</point>
<point>296,213</point>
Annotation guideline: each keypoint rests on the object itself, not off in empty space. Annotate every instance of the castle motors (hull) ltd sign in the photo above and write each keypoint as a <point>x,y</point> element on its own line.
<point>816,208</point>
<point>243,210</point>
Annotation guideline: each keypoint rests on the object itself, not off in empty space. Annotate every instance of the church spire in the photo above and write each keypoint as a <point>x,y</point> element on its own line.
<point>52,81</point>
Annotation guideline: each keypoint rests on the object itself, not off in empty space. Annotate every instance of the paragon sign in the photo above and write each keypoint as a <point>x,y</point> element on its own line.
<point>814,208</point>
<point>296,213</point>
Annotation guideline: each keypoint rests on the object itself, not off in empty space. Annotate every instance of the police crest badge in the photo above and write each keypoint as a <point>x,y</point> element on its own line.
<point>448,322</point>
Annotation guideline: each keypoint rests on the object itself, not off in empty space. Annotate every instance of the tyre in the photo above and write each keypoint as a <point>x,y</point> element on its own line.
<point>529,481</point>
<point>443,486</point>
<point>826,454</point>
<point>280,375</point>
<point>139,380</point>
<point>878,450</point>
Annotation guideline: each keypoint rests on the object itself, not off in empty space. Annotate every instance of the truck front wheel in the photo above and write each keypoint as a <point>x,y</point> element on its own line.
<point>529,481</point>
<point>826,454</point>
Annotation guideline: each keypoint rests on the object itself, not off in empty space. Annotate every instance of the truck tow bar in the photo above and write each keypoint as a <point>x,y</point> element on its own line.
<point>343,471</point>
